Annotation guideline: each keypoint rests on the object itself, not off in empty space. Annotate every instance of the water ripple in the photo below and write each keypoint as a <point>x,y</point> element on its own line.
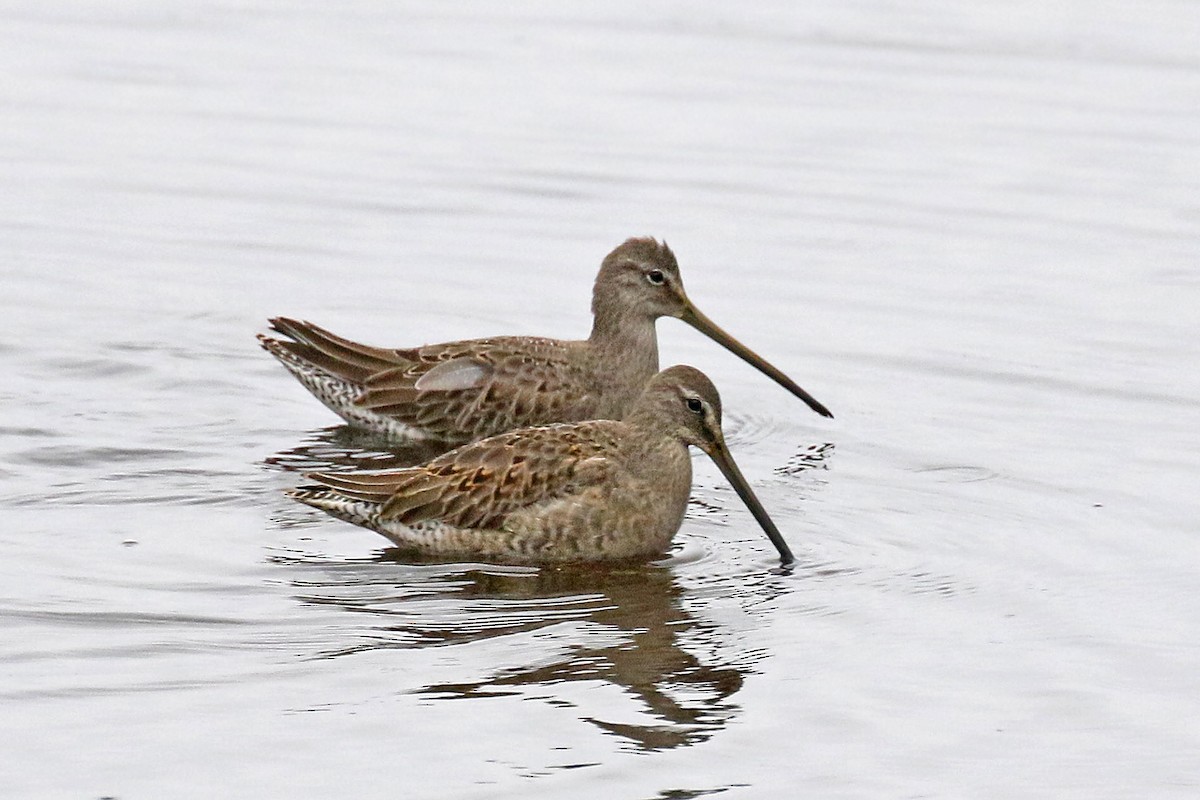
<point>73,456</point>
<point>114,618</point>
<point>813,456</point>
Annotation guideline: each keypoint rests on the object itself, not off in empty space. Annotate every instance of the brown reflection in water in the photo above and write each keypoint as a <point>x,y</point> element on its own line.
<point>689,699</point>
<point>341,447</point>
<point>638,648</point>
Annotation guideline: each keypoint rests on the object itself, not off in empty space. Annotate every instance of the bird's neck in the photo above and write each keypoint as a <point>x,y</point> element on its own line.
<point>628,339</point>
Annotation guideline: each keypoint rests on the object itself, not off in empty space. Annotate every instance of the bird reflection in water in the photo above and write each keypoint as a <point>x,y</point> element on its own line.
<point>625,626</point>
<point>688,699</point>
<point>343,447</point>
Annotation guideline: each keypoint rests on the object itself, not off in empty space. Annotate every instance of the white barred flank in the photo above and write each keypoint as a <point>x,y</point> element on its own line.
<point>339,396</point>
<point>426,535</point>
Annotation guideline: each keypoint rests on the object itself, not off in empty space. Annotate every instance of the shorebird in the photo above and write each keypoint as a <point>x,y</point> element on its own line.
<point>598,490</point>
<point>463,391</point>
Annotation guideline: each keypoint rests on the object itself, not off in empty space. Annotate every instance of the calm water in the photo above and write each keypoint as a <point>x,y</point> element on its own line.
<point>973,233</point>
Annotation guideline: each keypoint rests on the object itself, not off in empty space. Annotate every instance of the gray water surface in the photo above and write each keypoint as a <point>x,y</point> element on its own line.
<point>974,233</point>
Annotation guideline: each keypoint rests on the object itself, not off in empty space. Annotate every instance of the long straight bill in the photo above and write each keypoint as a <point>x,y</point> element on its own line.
<point>692,316</point>
<point>720,454</point>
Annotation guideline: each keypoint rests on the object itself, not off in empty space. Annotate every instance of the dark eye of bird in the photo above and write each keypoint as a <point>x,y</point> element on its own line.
<point>695,405</point>
<point>656,277</point>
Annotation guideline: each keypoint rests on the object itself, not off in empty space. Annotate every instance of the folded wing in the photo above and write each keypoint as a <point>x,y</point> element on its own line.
<point>479,485</point>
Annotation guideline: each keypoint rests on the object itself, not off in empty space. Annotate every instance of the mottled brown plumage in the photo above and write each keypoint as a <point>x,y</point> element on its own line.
<point>586,491</point>
<point>464,391</point>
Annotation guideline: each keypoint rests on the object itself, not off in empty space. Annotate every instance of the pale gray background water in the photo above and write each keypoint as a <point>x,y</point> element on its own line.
<point>972,231</point>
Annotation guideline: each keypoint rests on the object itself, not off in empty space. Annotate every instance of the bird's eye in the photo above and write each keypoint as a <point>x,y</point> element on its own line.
<point>656,277</point>
<point>694,405</point>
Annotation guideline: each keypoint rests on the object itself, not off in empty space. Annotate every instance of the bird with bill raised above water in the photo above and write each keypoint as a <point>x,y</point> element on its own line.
<point>599,490</point>
<point>463,391</point>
